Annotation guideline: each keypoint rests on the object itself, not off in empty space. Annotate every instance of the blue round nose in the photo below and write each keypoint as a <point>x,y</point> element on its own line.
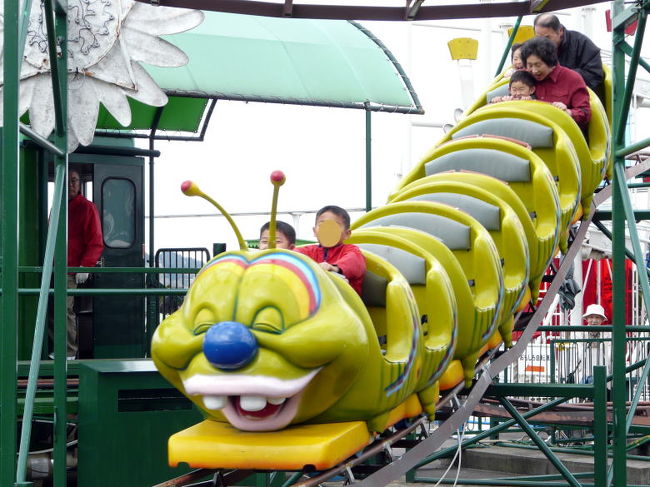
<point>229,345</point>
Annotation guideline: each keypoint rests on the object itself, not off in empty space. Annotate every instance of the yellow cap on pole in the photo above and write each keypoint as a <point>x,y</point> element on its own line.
<point>463,48</point>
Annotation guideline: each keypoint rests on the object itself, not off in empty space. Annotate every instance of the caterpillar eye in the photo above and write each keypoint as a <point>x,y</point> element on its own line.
<point>202,328</point>
<point>203,320</point>
<point>266,327</point>
<point>269,320</point>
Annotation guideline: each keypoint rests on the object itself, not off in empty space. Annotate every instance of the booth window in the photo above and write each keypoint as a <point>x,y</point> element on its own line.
<point>118,213</point>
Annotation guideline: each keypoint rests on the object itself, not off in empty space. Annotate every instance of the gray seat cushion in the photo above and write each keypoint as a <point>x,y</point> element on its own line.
<point>412,267</point>
<point>496,163</point>
<point>454,235</point>
<point>498,91</point>
<point>533,133</point>
<point>488,215</point>
<point>373,290</point>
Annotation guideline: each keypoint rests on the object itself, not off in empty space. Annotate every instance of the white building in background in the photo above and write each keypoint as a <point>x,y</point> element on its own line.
<point>322,150</point>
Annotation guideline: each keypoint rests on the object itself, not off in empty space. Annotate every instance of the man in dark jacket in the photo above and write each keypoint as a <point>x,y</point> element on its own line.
<point>575,50</point>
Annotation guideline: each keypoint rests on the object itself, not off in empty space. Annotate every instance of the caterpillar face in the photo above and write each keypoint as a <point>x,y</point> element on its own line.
<point>262,341</point>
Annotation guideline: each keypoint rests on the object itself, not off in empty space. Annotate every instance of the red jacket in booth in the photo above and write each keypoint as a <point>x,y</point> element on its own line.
<point>85,241</point>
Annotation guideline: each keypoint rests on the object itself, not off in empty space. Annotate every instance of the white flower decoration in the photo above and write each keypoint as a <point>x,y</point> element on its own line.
<point>107,41</point>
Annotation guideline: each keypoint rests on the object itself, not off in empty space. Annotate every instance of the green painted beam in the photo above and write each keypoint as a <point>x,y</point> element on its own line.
<point>39,332</point>
<point>111,292</point>
<point>506,50</point>
<point>606,215</point>
<point>623,105</point>
<point>9,245</point>
<point>637,146</point>
<point>57,26</point>
<point>617,473</point>
<point>624,18</point>
<point>599,328</point>
<point>639,185</point>
<point>490,432</point>
<point>540,390</point>
<point>532,434</point>
<point>600,425</point>
<point>109,270</point>
<point>627,49</point>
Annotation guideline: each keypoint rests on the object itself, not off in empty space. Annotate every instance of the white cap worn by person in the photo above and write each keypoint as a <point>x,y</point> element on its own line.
<point>595,310</point>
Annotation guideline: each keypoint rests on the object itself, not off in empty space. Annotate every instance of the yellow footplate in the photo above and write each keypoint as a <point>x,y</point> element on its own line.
<point>211,444</point>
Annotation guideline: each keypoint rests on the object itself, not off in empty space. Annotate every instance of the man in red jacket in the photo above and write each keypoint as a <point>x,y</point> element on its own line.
<point>85,246</point>
<point>332,228</point>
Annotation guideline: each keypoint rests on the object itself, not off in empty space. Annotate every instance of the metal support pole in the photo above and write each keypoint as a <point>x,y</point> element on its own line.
<point>57,27</point>
<point>600,426</point>
<point>618,472</point>
<point>152,280</point>
<point>368,160</point>
<point>627,49</point>
<point>9,255</point>
<point>634,234</point>
<point>506,50</point>
<point>624,106</point>
<point>39,331</point>
<point>636,146</point>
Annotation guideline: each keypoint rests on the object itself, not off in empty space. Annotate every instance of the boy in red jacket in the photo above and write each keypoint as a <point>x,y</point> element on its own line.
<point>332,228</point>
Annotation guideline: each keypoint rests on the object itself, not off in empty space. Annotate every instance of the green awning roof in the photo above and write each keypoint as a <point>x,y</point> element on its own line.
<point>300,61</point>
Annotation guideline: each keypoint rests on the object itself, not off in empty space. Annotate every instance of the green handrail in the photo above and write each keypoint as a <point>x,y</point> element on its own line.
<point>39,331</point>
<point>22,32</point>
<point>506,51</point>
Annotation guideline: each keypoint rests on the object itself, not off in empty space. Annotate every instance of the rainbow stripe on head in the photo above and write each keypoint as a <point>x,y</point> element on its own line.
<point>294,271</point>
<point>298,276</point>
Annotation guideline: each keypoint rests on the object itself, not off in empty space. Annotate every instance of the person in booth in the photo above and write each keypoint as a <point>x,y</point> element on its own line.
<point>85,247</point>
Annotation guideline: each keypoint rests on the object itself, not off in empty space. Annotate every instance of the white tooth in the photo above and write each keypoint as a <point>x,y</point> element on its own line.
<point>214,402</point>
<point>276,400</point>
<point>252,403</point>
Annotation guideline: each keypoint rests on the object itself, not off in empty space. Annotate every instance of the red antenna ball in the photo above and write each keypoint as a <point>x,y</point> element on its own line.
<point>278,177</point>
<point>185,185</point>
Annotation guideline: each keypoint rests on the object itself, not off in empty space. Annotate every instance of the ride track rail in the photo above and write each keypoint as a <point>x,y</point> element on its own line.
<point>487,369</point>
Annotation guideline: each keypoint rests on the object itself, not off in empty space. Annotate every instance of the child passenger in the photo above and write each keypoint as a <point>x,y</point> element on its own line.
<point>332,228</point>
<point>521,87</point>
<point>285,236</point>
<point>515,58</point>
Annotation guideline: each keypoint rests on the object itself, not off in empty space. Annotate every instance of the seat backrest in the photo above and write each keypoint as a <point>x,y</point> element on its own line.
<point>502,90</point>
<point>499,164</point>
<point>373,290</point>
<point>535,134</point>
<point>488,215</point>
<point>412,267</point>
<point>454,235</point>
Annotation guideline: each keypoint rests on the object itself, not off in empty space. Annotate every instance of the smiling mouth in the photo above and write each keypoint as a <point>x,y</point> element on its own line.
<point>250,403</point>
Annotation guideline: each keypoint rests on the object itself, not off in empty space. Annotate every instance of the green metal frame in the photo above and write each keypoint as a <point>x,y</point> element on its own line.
<point>9,249</point>
<point>621,214</point>
<point>12,472</point>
